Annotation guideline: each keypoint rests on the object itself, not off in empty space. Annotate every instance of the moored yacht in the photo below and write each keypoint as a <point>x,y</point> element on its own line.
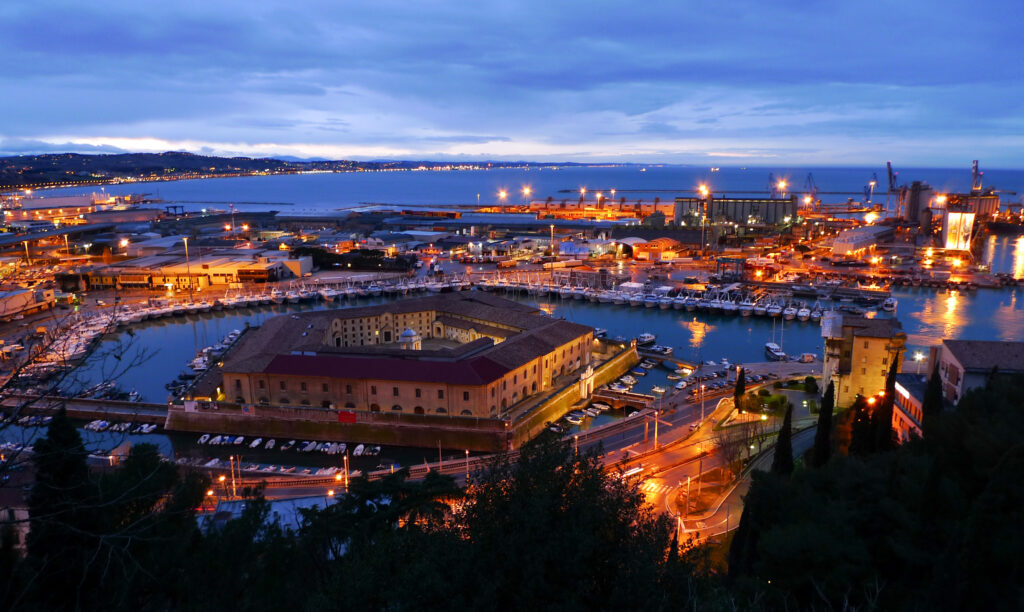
<point>774,351</point>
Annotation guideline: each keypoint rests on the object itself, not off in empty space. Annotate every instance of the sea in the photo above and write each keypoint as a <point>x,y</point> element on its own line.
<point>927,315</point>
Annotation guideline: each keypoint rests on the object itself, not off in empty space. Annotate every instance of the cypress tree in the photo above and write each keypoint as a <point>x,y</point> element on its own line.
<point>823,436</point>
<point>741,388</point>
<point>881,418</point>
<point>782,462</point>
<point>862,439</point>
<point>931,404</point>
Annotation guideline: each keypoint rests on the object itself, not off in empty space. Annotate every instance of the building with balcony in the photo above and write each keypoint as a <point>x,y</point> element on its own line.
<point>858,353</point>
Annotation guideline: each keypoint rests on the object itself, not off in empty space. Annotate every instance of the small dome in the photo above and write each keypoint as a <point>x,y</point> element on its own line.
<point>409,333</point>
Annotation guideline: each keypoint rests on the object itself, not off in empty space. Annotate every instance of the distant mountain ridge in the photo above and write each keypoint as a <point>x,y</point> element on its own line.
<point>63,169</point>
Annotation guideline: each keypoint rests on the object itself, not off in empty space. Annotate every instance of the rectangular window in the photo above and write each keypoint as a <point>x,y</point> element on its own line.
<point>417,393</point>
<point>302,386</point>
<point>261,384</point>
<point>865,344</point>
<point>440,394</point>
<point>863,370</point>
<point>283,387</point>
<point>324,387</point>
<point>492,391</point>
<point>465,396</point>
<point>394,391</point>
<point>534,368</point>
<point>238,383</point>
<point>373,390</point>
<point>348,389</point>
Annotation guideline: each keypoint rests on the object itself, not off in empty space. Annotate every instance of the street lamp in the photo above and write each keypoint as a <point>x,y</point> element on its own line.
<point>918,357</point>
<point>526,193</point>
<point>502,194</point>
<point>702,404</point>
<point>467,467</point>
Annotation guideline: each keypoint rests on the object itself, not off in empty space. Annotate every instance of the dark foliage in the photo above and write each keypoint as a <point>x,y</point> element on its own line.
<point>782,461</point>
<point>823,435</point>
<point>931,524</point>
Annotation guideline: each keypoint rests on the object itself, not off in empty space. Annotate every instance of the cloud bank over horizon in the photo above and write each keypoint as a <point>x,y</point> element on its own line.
<point>927,84</point>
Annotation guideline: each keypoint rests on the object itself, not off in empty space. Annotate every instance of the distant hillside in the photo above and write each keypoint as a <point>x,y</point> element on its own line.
<point>61,169</point>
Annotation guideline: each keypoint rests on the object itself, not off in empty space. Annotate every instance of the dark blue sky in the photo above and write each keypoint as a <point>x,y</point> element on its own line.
<point>715,83</point>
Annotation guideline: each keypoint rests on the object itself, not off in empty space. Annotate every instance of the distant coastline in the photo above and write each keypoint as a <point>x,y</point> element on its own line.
<point>52,171</point>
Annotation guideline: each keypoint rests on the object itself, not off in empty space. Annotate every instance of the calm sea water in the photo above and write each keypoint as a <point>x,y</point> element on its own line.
<point>343,190</point>
<point>927,316</point>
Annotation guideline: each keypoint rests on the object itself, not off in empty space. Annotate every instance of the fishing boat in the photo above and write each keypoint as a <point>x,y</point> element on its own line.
<point>889,305</point>
<point>646,338</point>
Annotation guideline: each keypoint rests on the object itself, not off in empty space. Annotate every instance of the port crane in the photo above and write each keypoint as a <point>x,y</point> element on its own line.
<point>869,189</point>
<point>892,186</point>
<point>811,200</point>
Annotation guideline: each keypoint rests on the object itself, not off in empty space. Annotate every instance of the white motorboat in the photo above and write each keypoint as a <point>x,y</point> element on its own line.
<point>889,305</point>
<point>646,338</point>
<point>774,352</point>
<point>803,313</point>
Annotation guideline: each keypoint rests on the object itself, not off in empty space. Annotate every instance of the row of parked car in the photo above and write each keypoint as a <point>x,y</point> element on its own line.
<point>716,381</point>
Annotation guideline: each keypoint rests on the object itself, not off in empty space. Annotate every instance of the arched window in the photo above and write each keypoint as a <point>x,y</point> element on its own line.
<point>239,400</point>
<point>349,405</point>
<point>304,402</point>
<point>325,404</point>
<point>418,410</point>
<point>504,403</point>
<point>284,400</point>
<point>337,341</point>
<point>533,387</point>
<point>396,408</point>
<point>374,408</point>
<point>467,413</point>
<point>264,400</point>
<point>442,411</point>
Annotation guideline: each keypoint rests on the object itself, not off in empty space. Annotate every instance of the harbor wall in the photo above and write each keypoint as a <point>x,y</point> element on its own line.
<point>312,423</point>
<point>87,409</point>
<point>562,400</point>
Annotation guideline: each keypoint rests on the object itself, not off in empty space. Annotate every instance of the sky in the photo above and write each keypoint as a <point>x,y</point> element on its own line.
<point>808,82</point>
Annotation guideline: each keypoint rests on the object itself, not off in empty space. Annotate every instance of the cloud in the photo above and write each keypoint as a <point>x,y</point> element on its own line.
<point>826,82</point>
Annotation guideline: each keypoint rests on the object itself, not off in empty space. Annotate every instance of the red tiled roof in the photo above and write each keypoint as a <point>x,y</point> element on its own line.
<point>476,371</point>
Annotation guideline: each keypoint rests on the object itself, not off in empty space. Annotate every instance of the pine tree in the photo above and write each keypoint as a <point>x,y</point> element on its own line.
<point>62,515</point>
<point>931,404</point>
<point>823,436</point>
<point>782,462</point>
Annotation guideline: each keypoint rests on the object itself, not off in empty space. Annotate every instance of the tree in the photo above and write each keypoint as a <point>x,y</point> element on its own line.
<point>862,433</point>
<point>931,403</point>
<point>782,462</point>
<point>811,384</point>
<point>60,513</point>
<point>823,435</point>
<point>741,388</point>
<point>881,417</point>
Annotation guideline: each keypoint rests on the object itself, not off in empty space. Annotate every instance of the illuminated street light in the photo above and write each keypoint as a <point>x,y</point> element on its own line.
<point>124,243</point>
<point>502,194</point>
<point>703,189</point>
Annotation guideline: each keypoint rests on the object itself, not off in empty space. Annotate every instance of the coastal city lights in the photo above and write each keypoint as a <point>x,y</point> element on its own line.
<point>427,306</point>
